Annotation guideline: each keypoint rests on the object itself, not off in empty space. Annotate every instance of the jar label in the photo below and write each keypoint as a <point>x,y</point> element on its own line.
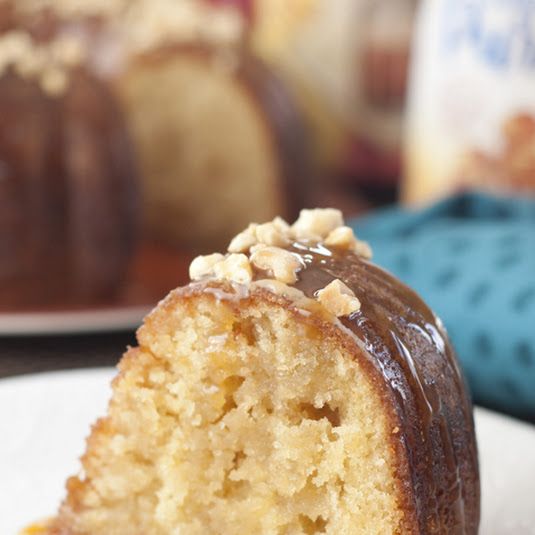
<point>471,116</point>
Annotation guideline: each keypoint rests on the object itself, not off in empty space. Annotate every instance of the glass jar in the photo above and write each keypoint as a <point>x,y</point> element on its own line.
<point>471,122</point>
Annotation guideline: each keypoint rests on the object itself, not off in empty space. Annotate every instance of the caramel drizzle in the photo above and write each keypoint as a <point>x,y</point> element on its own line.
<point>389,316</point>
<point>384,326</point>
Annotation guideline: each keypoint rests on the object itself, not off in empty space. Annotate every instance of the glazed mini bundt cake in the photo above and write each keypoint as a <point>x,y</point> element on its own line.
<point>68,187</point>
<point>219,137</point>
<point>225,147</point>
<point>292,388</point>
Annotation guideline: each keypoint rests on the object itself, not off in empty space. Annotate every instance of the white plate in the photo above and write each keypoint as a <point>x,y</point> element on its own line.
<point>153,272</point>
<point>72,321</point>
<point>44,419</point>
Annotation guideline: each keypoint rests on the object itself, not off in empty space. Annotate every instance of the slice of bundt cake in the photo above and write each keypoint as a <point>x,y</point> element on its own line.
<point>293,387</point>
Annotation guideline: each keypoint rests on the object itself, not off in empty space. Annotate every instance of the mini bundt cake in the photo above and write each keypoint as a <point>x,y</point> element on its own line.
<point>292,388</point>
<point>68,188</point>
<point>218,139</point>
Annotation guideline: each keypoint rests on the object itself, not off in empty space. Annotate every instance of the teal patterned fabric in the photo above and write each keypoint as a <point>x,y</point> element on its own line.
<point>472,258</point>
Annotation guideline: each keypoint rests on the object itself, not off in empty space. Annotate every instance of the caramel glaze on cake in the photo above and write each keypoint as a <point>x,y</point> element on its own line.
<point>318,278</point>
<point>411,356</point>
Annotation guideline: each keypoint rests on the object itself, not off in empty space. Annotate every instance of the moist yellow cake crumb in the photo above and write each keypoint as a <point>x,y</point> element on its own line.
<point>238,422</point>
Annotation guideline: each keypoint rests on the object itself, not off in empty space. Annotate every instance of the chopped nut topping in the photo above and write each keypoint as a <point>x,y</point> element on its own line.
<point>244,240</point>
<point>235,267</point>
<point>280,288</point>
<point>283,264</point>
<point>272,234</point>
<point>264,247</point>
<point>257,247</point>
<point>67,50</point>
<point>344,238</point>
<point>30,65</point>
<point>48,62</point>
<point>316,224</point>
<point>341,237</point>
<point>147,24</point>
<point>275,233</point>
<point>137,26</point>
<point>282,226</point>
<point>338,299</point>
<point>203,266</point>
<point>363,249</point>
<point>54,81</point>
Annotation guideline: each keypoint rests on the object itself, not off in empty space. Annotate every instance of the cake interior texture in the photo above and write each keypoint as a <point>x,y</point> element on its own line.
<point>238,418</point>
